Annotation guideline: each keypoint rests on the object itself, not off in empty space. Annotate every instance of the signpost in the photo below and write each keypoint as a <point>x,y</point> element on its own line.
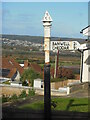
<point>47,94</point>
<point>57,46</point>
<point>64,45</point>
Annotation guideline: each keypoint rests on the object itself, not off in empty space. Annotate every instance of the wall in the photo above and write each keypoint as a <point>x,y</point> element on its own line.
<point>53,92</point>
<point>10,90</point>
<point>80,86</point>
<point>89,67</point>
<point>57,85</point>
<point>86,67</point>
<point>18,76</point>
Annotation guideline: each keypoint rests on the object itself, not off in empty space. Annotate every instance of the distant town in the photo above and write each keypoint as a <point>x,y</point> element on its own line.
<point>32,43</point>
<point>22,43</point>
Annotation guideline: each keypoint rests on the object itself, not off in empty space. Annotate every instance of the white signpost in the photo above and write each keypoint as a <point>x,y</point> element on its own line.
<point>64,45</point>
<point>47,23</point>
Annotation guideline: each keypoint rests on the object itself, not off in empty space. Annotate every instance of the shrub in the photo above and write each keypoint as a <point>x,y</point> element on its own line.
<point>31,92</point>
<point>13,97</point>
<point>23,94</point>
<point>65,72</point>
<point>24,83</point>
<point>5,99</point>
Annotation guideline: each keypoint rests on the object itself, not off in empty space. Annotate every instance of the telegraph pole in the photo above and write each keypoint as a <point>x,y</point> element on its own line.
<point>56,64</point>
<point>47,93</point>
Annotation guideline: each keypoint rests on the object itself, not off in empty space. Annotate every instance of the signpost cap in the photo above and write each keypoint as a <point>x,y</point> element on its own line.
<point>47,17</point>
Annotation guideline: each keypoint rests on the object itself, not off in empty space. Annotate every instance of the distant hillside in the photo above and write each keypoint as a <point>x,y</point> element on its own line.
<point>39,39</point>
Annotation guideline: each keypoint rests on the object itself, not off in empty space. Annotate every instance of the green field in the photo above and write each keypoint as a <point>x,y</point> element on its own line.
<point>64,63</point>
<point>61,104</point>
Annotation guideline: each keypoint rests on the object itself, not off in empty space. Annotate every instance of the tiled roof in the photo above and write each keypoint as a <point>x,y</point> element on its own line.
<point>12,72</point>
<point>6,64</point>
<point>10,63</point>
<point>16,65</point>
<point>36,67</point>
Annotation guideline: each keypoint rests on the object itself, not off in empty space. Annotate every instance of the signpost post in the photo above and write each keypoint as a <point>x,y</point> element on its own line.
<point>47,94</point>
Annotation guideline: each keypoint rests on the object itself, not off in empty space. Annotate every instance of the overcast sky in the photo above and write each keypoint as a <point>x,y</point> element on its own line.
<point>24,18</point>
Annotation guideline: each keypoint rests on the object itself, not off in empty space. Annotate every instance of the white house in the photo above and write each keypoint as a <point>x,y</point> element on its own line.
<point>86,31</point>
<point>86,55</point>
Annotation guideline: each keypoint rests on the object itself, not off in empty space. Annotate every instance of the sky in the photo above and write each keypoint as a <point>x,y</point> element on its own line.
<point>44,0</point>
<point>24,18</point>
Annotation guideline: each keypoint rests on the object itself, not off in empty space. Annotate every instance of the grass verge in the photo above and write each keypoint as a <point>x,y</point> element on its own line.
<point>61,104</point>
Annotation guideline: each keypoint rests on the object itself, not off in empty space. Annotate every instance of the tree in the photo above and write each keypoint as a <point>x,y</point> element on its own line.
<point>28,76</point>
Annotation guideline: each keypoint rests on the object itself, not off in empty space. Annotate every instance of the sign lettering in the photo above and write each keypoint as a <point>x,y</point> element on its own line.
<point>64,45</point>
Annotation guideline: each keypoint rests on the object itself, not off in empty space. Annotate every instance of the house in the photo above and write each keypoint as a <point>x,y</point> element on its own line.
<point>33,66</point>
<point>86,31</point>
<point>85,67</point>
<point>10,69</point>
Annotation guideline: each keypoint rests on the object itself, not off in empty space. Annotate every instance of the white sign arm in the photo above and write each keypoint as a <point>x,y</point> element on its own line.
<point>64,45</point>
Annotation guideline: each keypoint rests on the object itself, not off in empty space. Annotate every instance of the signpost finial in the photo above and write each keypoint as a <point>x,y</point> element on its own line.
<point>47,17</point>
